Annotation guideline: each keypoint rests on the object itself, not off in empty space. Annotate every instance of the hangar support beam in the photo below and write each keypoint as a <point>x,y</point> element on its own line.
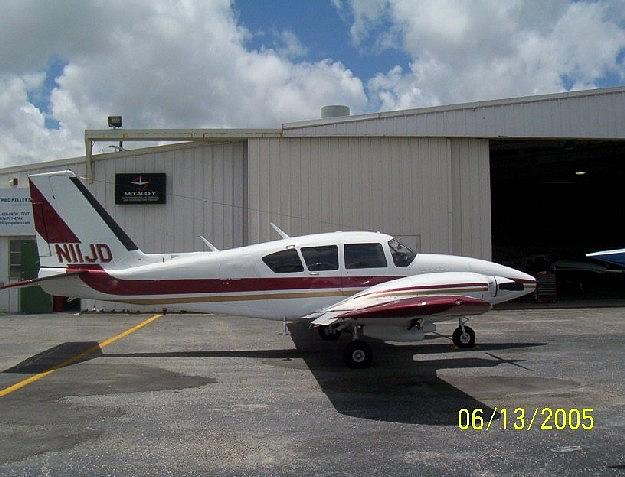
<point>192,135</point>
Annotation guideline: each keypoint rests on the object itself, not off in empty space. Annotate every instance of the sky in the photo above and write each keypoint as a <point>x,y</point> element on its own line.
<point>65,66</point>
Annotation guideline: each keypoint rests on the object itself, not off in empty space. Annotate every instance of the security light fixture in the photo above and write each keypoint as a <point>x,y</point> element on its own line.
<point>580,173</point>
<point>115,121</point>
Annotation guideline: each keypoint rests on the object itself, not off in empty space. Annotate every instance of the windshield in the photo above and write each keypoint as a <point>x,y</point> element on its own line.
<point>402,255</point>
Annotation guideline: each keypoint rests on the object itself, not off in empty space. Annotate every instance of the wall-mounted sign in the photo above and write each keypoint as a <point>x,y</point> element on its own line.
<point>140,188</point>
<point>16,213</point>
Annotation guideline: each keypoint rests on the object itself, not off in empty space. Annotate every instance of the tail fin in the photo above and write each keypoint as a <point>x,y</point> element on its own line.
<point>72,228</point>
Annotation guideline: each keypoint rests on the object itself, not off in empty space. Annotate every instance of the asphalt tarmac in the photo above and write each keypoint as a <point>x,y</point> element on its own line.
<point>219,395</point>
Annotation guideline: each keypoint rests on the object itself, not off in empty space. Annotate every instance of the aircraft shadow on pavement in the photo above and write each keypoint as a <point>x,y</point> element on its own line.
<point>59,356</point>
<point>396,388</point>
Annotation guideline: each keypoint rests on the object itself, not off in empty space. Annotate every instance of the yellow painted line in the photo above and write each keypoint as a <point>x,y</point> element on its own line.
<point>77,357</point>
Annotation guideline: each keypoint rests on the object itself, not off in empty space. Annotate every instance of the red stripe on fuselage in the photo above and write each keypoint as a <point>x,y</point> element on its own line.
<point>100,280</point>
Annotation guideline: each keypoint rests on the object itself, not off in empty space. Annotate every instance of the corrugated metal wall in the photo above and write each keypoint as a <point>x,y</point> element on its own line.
<point>204,197</point>
<point>410,187</point>
<point>471,201</point>
<point>581,115</point>
<point>205,194</point>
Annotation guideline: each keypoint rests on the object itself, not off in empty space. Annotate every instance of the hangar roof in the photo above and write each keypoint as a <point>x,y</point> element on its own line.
<point>591,114</point>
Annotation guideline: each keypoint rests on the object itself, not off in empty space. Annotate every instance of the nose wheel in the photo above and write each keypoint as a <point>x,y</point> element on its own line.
<point>463,336</point>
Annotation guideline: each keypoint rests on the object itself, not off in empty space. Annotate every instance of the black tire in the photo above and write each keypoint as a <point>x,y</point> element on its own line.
<point>466,341</point>
<point>358,355</point>
<point>328,333</point>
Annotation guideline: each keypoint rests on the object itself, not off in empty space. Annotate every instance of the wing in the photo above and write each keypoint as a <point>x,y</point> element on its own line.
<point>440,294</point>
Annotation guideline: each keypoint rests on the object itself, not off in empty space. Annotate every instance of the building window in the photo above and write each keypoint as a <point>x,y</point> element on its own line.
<point>321,258</point>
<point>15,260</point>
<point>284,261</point>
<point>364,255</point>
<point>402,255</point>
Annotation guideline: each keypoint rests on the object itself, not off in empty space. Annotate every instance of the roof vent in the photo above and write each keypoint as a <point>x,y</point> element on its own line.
<point>334,111</point>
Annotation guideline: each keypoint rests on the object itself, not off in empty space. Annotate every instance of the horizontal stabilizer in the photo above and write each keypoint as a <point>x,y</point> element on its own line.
<point>37,281</point>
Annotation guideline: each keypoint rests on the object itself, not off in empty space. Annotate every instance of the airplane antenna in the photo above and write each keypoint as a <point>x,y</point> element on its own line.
<point>280,232</point>
<point>211,247</point>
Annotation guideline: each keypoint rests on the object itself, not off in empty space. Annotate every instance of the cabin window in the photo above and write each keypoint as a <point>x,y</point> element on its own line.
<point>364,255</point>
<point>284,261</point>
<point>402,255</point>
<point>321,258</point>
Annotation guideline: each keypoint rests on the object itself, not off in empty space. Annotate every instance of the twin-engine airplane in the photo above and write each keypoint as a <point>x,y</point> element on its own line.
<point>365,283</point>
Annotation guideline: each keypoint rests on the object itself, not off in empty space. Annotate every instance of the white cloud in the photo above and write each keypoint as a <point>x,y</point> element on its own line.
<point>185,63</point>
<point>159,64</point>
<point>24,136</point>
<point>289,45</point>
<point>484,49</point>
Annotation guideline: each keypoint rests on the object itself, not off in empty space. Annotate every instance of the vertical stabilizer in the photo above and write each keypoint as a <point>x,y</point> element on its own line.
<point>72,227</point>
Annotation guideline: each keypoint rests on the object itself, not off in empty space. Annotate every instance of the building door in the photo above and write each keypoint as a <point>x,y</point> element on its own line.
<point>24,265</point>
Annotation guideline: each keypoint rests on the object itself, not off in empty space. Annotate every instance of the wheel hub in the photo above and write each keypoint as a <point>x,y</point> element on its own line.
<point>465,338</point>
<point>358,356</point>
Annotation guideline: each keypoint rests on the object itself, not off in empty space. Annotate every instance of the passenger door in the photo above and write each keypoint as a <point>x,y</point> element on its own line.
<point>323,265</point>
<point>366,264</point>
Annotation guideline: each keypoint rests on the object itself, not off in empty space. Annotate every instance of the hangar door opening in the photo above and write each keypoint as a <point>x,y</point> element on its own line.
<point>555,201</point>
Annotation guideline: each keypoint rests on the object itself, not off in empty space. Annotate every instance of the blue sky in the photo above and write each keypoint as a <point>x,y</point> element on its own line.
<point>322,29</point>
<point>66,66</point>
<point>40,97</point>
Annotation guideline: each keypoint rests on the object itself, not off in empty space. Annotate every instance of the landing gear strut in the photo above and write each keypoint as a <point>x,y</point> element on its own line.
<point>329,333</point>
<point>358,354</point>
<point>463,336</point>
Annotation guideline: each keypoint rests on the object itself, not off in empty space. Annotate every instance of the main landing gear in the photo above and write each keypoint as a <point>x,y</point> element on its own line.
<point>358,353</point>
<point>463,336</point>
<point>329,333</point>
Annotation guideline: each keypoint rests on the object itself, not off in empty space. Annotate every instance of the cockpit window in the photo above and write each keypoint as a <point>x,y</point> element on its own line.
<point>364,255</point>
<point>321,258</point>
<point>284,261</point>
<point>402,255</point>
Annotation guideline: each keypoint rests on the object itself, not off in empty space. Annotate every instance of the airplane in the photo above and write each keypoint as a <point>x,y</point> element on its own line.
<point>139,181</point>
<point>611,256</point>
<point>363,283</point>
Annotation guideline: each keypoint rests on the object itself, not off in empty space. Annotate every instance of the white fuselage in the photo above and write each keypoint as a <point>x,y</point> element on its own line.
<point>238,281</point>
